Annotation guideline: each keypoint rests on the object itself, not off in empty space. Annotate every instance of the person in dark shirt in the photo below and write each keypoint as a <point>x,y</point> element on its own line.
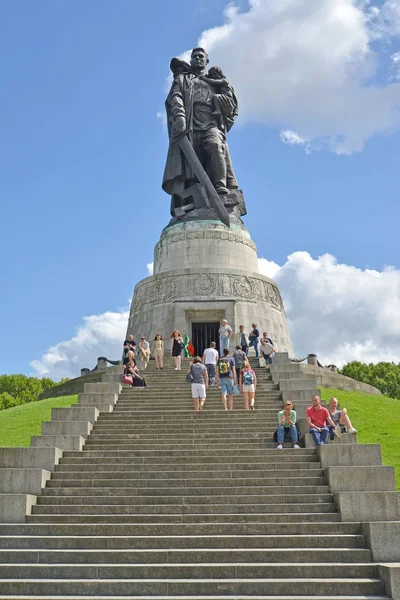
<point>254,337</point>
<point>131,342</point>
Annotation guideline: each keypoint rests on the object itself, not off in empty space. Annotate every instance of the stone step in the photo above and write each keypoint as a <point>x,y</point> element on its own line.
<point>223,470</point>
<point>222,445</point>
<point>142,489</point>
<point>105,435</point>
<point>136,427</point>
<point>235,462</point>
<point>205,518</point>
<point>199,454</point>
<point>171,557</point>
<point>111,481</point>
<point>196,597</point>
<point>247,506</point>
<point>98,542</point>
<point>152,566</point>
<point>195,587</point>
<point>279,530</point>
<point>253,496</point>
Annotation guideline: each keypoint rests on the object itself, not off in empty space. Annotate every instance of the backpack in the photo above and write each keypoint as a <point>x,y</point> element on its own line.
<point>248,377</point>
<point>224,367</point>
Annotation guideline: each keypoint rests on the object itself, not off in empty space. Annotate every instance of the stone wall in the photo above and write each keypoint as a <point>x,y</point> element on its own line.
<point>327,378</point>
<point>73,386</point>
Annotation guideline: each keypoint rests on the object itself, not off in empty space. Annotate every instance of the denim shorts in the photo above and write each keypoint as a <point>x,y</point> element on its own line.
<point>226,385</point>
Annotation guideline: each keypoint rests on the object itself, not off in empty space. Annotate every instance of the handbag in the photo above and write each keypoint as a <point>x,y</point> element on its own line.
<point>127,379</point>
<point>189,378</point>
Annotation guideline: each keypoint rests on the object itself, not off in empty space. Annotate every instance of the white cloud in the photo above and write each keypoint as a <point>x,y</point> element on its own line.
<point>338,311</point>
<point>307,67</point>
<point>150,267</point>
<point>99,335</point>
<point>291,138</point>
<point>396,64</point>
<point>163,118</point>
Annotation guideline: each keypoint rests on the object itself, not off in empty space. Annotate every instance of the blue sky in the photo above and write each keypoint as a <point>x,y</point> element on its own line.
<point>82,152</point>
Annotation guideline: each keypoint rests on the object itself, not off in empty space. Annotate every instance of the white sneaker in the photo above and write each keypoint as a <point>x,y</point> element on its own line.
<point>352,430</point>
<point>279,447</point>
<point>176,369</point>
<point>337,431</point>
<point>296,446</point>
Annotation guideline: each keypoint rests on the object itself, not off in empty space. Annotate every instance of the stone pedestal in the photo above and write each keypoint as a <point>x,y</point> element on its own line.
<point>204,272</point>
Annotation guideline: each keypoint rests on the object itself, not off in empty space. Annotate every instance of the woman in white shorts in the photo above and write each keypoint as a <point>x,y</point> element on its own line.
<point>248,383</point>
<point>199,375</point>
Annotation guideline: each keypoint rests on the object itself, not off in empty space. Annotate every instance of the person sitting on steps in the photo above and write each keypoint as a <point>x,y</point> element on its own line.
<point>131,369</point>
<point>287,426</point>
<point>341,420</point>
<point>317,418</point>
<point>226,378</point>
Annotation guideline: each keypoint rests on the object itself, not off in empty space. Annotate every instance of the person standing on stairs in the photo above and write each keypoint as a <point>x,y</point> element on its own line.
<point>248,383</point>
<point>199,385</point>
<point>224,332</point>
<point>157,350</point>
<point>242,339</point>
<point>254,337</point>
<point>287,426</point>
<point>177,345</point>
<point>317,418</point>
<point>341,420</point>
<point>226,379</point>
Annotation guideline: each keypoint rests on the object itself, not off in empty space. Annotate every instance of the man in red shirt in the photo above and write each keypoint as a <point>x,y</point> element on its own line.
<point>317,418</point>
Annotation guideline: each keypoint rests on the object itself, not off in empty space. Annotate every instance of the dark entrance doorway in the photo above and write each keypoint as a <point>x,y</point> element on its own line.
<point>203,334</point>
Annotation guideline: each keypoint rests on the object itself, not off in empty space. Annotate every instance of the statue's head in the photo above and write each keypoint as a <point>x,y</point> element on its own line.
<point>199,59</point>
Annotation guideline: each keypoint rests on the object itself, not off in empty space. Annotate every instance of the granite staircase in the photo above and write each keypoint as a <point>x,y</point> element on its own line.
<point>167,503</point>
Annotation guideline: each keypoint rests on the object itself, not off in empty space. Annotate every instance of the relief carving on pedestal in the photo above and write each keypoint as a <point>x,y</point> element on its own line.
<point>206,286</point>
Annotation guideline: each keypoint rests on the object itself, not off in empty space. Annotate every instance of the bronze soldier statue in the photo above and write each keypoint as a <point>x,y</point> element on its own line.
<point>201,109</point>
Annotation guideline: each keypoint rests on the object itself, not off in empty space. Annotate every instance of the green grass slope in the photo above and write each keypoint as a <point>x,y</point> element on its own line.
<point>19,423</point>
<point>377,420</point>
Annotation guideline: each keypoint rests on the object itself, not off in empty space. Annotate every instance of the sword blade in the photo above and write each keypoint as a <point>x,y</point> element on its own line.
<point>197,167</point>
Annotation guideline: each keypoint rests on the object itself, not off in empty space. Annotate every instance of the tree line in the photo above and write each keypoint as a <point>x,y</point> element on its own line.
<point>20,389</point>
<point>384,375</point>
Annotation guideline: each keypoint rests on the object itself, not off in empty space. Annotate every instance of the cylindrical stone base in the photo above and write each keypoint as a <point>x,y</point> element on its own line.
<point>205,272</point>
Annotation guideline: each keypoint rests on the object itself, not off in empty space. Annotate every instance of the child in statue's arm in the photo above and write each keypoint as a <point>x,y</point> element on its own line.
<point>216,78</point>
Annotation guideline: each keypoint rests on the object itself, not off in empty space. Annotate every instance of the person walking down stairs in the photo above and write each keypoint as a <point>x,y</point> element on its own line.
<point>157,350</point>
<point>177,345</point>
